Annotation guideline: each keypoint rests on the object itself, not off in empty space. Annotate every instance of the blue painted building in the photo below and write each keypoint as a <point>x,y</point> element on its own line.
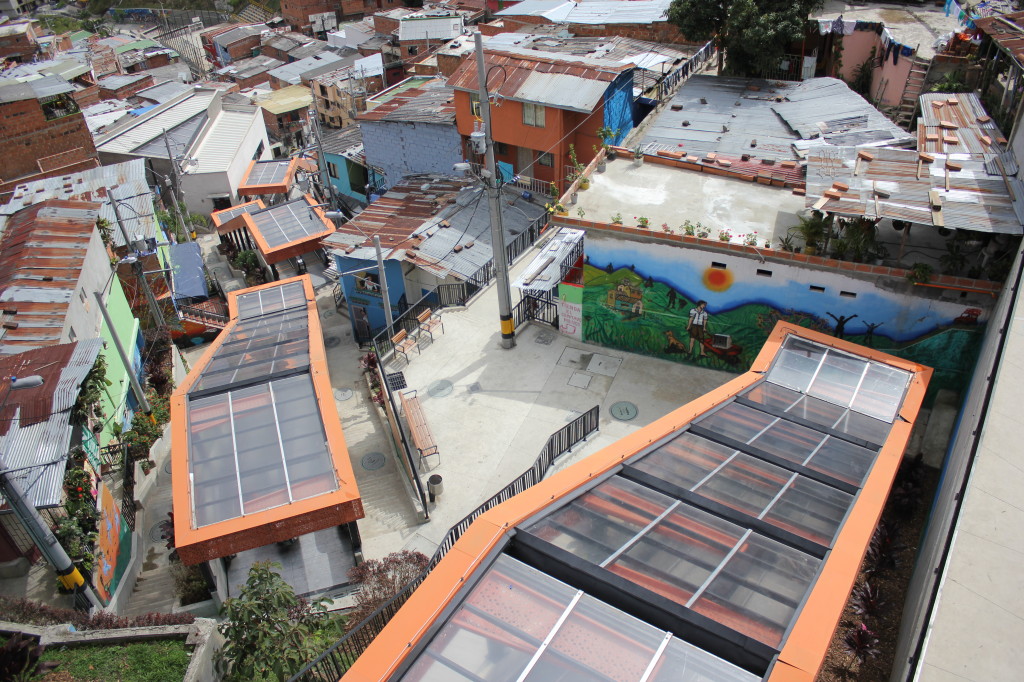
<point>347,168</point>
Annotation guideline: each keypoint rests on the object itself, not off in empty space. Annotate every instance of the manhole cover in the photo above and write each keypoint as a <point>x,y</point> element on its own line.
<point>440,389</point>
<point>373,461</point>
<point>156,533</point>
<point>332,341</point>
<point>327,313</point>
<point>544,338</point>
<point>343,393</point>
<point>474,387</point>
<point>624,411</point>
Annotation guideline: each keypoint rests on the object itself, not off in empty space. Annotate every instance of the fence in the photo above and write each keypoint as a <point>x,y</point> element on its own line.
<point>444,296</point>
<point>333,663</point>
<point>789,68</point>
<point>533,308</point>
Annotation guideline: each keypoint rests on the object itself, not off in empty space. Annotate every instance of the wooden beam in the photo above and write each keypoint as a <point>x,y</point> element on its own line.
<point>935,199</point>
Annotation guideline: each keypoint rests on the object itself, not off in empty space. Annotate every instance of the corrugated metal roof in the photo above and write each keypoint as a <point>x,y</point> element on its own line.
<point>309,67</point>
<point>976,200</point>
<point>530,76</point>
<point>119,81</point>
<point>553,10</point>
<point>163,92</point>
<point>129,179</point>
<point>220,145</point>
<point>971,124</point>
<point>42,253</point>
<point>151,125</point>
<point>240,33</point>
<point>286,99</point>
<point>412,228</point>
<point>1006,31</point>
<point>341,140</point>
<point>36,422</point>
<point>249,67</point>
<point>766,118</point>
<point>432,102</point>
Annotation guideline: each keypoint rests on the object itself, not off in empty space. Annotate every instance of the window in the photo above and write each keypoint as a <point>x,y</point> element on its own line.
<point>332,170</point>
<point>259,152</point>
<point>545,159</point>
<point>500,148</point>
<point>533,115</point>
<point>413,50</point>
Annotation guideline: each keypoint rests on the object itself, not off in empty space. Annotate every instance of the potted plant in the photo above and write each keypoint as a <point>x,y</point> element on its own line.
<point>607,134</point>
<point>811,229</point>
<point>724,235</point>
<point>689,229</point>
<point>751,239</point>
<point>643,221</point>
<point>954,260</point>
<point>580,212</point>
<point>786,243</point>
<point>557,207</point>
<point>702,232</point>
<point>919,273</point>
<point>638,156</point>
<point>617,219</point>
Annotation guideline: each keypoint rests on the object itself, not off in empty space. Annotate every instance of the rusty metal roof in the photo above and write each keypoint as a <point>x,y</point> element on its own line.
<point>35,423</point>
<point>41,257</point>
<point>893,184</point>
<point>432,102</point>
<point>1007,30</point>
<point>959,124</point>
<point>562,81</point>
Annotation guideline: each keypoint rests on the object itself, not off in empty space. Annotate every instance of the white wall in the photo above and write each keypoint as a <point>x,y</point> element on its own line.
<point>256,134</point>
<point>83,316</point>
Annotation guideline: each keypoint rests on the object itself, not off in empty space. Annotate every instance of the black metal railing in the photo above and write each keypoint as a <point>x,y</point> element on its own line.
<point>535,309</point>
<point>333,663</point>
<point>666,88</point>
<point>202,315</point>
<point>444,296</point>
<point>127,489</point>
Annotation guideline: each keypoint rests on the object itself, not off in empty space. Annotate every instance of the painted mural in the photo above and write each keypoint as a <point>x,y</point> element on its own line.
<point>717,311</point>
<point>113,547</point>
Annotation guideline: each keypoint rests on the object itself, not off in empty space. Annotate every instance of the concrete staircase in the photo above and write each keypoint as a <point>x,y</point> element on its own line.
<point>154,589</point>
<point>913,89</point>
<point>254,13</point>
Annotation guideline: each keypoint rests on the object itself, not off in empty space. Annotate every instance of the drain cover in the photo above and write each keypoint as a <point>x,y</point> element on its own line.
<point>474,387</point>
<point>373,461</point>
<point>327,313</point>
<point>624,411</point>
<point>440,389</point>
<point>342,393</point>
<point>332,341</point>
<point>156,533</point>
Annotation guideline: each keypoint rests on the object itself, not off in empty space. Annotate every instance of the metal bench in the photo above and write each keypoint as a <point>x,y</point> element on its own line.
<point>404,343</point>
<point>429,321</point>
<point>422,438</point>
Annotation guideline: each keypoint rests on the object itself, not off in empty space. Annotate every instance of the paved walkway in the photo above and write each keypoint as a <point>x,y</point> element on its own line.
<point>504,404</point>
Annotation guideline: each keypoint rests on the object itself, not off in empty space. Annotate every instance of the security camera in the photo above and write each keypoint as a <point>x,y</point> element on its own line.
<point>461,168</point>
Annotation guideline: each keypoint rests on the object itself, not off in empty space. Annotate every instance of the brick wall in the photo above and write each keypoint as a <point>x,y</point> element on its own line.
<point>402,148</point>
<point>19,47</point>
<point>28,136</point>
<point>86,97</point>
<point>383,25</point>
<point>244,47</point>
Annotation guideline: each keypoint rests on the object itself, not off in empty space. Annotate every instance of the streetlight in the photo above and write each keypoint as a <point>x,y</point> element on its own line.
<point>67,573</point>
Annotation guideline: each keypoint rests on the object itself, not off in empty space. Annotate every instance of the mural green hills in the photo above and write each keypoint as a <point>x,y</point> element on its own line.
<point>657,327</point>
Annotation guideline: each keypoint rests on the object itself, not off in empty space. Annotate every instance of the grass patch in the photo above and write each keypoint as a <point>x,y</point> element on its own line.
<point>153,661</point>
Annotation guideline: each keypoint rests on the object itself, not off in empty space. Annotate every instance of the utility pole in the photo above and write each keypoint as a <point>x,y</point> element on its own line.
<point>508,337</point>
<point>325,179</point>
<point>175,186</point>
<point>140,395</point>
<point>68,575</point>
<point>154,307</point>
<point>383,284</point>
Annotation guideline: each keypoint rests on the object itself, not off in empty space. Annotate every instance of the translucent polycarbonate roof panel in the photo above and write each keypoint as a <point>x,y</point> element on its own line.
<point>268,173</point>
<point>259,347</point>
<point>790,442</point>
<point>287,223</point>
<point>828,415</point>
<point>271,300</point>
<point>870,388</point>
<point>518,623</point>
<point>685,554</point>
<point>255,448</point>
<point>750,486</point>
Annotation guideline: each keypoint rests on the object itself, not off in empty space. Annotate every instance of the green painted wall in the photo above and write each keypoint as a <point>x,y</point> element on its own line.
<point>127,328</point>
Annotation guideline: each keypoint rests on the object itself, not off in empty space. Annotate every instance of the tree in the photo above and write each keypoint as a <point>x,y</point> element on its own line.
<point>752,32</point>
<point>381,579</point>
<point>269,632</point>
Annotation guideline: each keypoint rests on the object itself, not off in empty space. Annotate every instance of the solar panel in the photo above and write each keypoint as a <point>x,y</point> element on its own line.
<point>271,300</point>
